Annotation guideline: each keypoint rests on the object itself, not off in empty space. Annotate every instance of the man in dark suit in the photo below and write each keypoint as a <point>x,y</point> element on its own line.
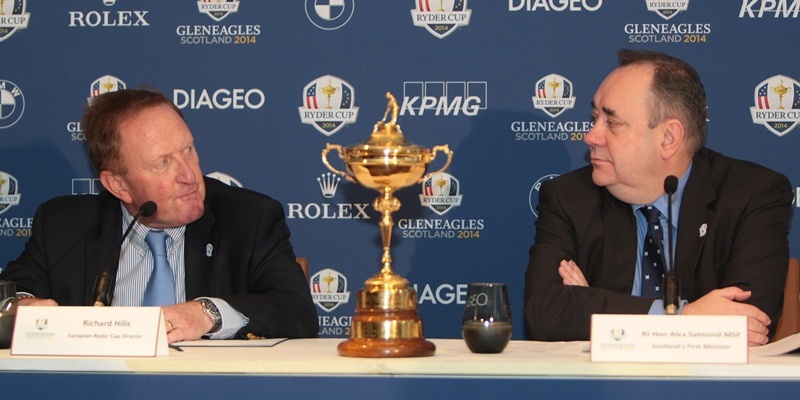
<point>231,268</point>
<point>731,216</point>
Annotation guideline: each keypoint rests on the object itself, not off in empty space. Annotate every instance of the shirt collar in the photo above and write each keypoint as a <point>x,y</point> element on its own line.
<point>662,201</point>
<point>136,236</point>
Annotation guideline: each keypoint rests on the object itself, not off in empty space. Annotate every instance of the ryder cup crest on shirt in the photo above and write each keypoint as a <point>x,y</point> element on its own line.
<point>12,17</point>
<point>329,289</point>
<point>217,9</point>
<point>441,18</point>
<point>667,9</point>
<point>328,104</point>
<point>12,103</point>
<point>329,14</point>
<point>553,95</point>
<point>777,104</point>
<point>440,193</point>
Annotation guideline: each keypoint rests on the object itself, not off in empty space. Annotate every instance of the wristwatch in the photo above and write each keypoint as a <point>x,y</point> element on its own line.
<point>212,312</point>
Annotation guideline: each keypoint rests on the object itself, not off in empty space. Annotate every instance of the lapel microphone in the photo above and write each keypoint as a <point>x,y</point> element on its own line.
<point>672,290</point>
<point>104,284</point>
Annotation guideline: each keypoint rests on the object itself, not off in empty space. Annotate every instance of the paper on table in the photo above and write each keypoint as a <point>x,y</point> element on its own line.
<point>783,346</point>
<point>230,343</point>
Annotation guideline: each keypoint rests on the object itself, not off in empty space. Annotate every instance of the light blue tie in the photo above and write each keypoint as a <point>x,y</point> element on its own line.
<point>160,289</point>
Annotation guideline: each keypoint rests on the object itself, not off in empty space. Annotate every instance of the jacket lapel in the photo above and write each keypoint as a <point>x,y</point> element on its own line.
<point>619,251</point>
<point>101,250</point>
<point>199,254</point>
<point>695,218</point>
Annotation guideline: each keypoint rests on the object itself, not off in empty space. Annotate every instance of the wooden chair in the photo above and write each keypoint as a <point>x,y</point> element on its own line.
<point>303,264</point>
<point>789,323</point>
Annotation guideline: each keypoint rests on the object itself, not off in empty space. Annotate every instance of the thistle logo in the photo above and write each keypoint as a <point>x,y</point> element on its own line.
<point>12,17</point>
<point>553,95</point>
<point>105,84</point>
<point>329,289</point>
<point>226,179</point>
<point>329,14</point>
<point>441,21</point>
<point>667,9</point>
<point>9,192</point>
<point>328,184</point>
<point>217,10</point>
<point>451,97</point>
<point>532,202</point>
<point>777,104</point>
<point>440,193</point>
<point>328,104</point>
<point>12,103</point>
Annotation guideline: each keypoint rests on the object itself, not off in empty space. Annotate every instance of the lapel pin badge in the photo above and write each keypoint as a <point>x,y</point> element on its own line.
<point>703,230</point>
<point>209,250</point>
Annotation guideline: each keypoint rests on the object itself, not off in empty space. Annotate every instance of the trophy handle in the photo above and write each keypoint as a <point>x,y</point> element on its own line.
<point>446,149</point>
<point>328,148</point>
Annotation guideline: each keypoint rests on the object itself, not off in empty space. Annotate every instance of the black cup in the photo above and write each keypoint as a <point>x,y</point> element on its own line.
<point>486,326</point>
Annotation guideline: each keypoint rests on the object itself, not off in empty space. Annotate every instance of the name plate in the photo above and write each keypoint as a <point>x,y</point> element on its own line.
<point>669,338</point>
<point>89,331</point>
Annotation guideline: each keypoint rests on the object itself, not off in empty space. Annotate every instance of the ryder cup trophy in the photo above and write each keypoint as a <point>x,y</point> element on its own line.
<point>386,322</point>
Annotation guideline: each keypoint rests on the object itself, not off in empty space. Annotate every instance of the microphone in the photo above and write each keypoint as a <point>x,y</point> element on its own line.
<point>672,290</point>
<point>104,284</point>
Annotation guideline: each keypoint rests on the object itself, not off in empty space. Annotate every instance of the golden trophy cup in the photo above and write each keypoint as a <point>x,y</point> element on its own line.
<point>386,322</point>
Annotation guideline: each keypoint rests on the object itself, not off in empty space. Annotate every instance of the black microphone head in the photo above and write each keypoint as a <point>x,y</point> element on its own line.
<point>670,184</point>
<point>148,208</point>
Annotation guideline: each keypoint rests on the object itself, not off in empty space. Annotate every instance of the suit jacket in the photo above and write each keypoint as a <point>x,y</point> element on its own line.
<point>732,231</point>
<point>252,265</point>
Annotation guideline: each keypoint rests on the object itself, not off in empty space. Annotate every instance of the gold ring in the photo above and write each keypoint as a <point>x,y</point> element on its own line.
<point>170,328</point>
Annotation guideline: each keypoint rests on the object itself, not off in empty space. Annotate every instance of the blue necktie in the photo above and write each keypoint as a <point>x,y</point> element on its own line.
<point>160,289</point>
<point>653,264</point>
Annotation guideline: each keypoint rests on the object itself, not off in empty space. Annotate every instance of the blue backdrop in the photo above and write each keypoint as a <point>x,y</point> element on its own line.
<point>505,83</point>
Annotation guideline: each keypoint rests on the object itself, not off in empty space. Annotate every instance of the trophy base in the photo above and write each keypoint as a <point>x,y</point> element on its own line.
<point>386,348</point>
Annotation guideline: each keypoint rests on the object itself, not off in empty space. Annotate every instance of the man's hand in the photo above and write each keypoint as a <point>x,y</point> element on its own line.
<point>186,321</point>
<point>571,275</point>
<point>33,301</point>
<point>726,301</point>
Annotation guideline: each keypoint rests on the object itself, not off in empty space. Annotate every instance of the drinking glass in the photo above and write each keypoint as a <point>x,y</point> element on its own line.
<point>8,312</point>
<point>486,326</point>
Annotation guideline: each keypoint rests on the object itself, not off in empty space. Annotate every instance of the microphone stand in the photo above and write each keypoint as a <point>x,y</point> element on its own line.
<point>104,284</point>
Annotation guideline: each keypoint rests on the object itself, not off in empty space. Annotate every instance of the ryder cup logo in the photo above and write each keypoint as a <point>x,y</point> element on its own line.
<point>12,17</point>
<point>777,104</point>
<point>9,192</point>
<point>329,289</point>
<point>553,95</point>
<point>533,196</point>
<point>440,193</point>
<point>218,9</point>
<point>12,103</point>
<point>105,84</point>
<point>442,20</point>
<point>328,104</point>
<point>667,9</point>
<point>329,14</point>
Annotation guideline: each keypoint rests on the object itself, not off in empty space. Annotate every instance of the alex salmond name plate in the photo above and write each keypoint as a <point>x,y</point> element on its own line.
<point>89,331</point>
<point>669,338</point>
